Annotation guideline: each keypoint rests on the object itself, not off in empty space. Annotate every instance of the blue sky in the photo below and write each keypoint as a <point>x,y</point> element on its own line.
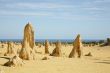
<point>55,19</point>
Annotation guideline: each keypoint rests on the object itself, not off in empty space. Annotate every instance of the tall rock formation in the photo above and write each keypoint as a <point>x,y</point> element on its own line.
<point>27,52</point>
<point>57,51</point>
<point>46,47</point>
<point>10,49</point>
<point>77,45</point>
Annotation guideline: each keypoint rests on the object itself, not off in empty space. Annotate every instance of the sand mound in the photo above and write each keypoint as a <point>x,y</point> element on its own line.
<point>15,61</point>
<point>45,58</point>
<point>89,54</point>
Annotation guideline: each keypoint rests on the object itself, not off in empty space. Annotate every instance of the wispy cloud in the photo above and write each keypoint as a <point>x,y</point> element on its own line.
<point>5,0</point>
<point>37,5</point>
<point>22,13</point>
<point>41,9</point>
<point>56,10</point>
<point>94,8</point>
<point>101,1</point>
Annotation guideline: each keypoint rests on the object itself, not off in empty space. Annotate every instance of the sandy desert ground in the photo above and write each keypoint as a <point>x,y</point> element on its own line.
<point>99,62</point>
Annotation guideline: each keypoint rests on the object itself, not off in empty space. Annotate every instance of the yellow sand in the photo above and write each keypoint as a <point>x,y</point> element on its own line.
<point>98,63</point>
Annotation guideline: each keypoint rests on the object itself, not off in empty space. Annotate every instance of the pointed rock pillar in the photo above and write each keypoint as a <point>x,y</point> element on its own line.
<point>77,45</point>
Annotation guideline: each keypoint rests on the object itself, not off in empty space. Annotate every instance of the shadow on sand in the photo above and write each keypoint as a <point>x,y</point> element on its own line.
<point>5,58</point>
<point>103,62</point>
